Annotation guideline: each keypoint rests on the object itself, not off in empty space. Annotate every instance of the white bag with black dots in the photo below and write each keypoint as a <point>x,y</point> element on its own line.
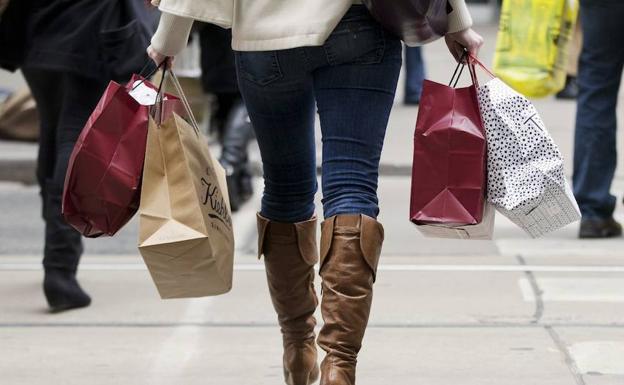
<point>526,181</point>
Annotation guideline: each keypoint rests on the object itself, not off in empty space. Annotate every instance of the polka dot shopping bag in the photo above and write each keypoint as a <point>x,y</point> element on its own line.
<point>526,180</point>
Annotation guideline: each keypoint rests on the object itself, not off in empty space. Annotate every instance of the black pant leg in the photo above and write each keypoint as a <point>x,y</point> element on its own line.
<point>47,90</point>
<point>599,77</point>
<point>236,136</point>
<point>65,101</point>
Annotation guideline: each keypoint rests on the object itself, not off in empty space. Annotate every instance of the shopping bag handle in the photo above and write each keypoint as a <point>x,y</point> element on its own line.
<point>152,72</point>
<point>148,76</point>
<point>160,96</point>
<point>476,61</point>
<point>185,102</point>
<point>460,67</point>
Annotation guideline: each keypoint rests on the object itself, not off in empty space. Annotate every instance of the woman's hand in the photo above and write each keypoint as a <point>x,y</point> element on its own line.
<point>158,58</point>
<point>466,39</point>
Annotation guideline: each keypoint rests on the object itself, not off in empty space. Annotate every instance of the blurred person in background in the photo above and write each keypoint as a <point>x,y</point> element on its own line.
<point>570,90</point>
<point>595,152</point>
<point>230,119</point>
<point>414,75</point>
<point>295,58</point>
<point>68,51</point>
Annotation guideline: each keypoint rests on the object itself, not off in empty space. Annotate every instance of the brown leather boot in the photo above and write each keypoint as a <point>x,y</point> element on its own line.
<point>289,256</point>
<point>350,249</point>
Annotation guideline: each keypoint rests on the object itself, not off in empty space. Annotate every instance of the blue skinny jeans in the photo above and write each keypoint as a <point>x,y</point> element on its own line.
<point>351,80</point>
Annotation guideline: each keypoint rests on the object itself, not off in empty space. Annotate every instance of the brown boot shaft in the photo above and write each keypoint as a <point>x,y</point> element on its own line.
<point>350,249</point>
<point>290,253</point>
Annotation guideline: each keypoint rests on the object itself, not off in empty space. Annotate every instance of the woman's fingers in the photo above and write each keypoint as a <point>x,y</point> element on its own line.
<point>456,49</point>
<point>459,52</point>
<point>158,58</point>
<point>467,39</point>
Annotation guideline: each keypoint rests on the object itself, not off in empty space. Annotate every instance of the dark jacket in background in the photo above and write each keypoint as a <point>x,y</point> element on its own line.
<point>92,38</point>
<point>13,30</point>
<point>217,59</point>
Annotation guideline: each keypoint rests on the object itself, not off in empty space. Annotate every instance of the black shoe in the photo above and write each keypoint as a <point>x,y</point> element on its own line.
<point>63,291</point>
<point>570,90</point>
<point>600,228</point>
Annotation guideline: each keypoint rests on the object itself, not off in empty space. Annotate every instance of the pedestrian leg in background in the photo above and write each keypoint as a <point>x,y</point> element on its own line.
<point>233,125</point>
<point>414,75</point>
<point>65,102</point>
<point>595,153</point>
<point>570,90</point>
<point>237,134</point>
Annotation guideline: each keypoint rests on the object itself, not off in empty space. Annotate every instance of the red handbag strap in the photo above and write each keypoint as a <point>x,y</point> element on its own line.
<point>476,61</point>
<point>473,73</point>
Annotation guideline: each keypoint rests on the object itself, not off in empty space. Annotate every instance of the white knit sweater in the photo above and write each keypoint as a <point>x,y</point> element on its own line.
<point>262,25</point>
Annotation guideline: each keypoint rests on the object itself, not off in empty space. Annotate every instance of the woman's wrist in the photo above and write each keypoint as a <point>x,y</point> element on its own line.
<point>172,34</point>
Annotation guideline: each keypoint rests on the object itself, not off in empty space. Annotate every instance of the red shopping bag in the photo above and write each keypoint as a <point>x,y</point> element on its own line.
<point>449,164</point>
<point>102,184</point>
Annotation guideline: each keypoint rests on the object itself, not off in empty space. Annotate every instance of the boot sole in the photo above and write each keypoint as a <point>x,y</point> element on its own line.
<point>58,308</point>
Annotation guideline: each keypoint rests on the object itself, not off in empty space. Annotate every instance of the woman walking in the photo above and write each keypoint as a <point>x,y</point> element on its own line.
<point>68,52</point>
<point>292,56</point>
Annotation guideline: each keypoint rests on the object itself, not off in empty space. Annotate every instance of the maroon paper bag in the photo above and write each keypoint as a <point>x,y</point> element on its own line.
<point>449,164</point>
<point>102,184</point>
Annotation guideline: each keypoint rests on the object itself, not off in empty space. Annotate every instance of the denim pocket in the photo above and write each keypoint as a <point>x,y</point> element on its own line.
<point>357,42</point>
<point>261,68</point>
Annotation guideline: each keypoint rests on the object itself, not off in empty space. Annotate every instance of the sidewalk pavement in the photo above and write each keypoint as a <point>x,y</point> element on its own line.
<point>511,311</point>
<point>439,323</point>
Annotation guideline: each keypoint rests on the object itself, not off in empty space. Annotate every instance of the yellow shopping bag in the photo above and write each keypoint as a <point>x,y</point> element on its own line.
<point>532,47</point>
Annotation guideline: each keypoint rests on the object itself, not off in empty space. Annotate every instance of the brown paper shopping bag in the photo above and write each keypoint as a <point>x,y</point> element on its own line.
<point>185,228</point>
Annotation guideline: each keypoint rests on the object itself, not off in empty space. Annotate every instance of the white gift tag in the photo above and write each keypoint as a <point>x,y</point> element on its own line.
<point>143,94</point>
